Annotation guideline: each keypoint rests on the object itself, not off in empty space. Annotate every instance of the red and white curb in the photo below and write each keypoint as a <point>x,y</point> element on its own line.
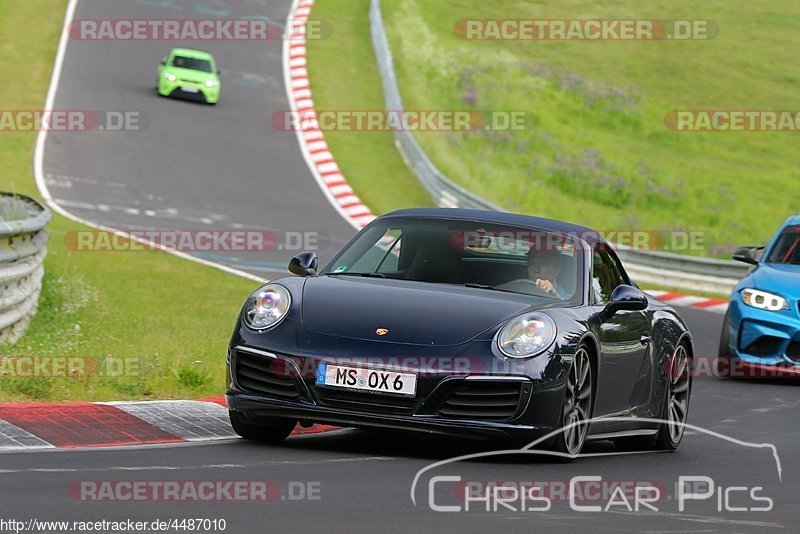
<point>689,301</point>
<point>114,424</point>
<point>310,136</point>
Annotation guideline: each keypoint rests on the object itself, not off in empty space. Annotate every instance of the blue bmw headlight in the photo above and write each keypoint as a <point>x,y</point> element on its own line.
<point>763,300</point>
<point>267,307</point>
<point>526,335</point>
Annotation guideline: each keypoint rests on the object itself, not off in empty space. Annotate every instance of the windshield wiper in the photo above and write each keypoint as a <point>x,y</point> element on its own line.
<point>365,275</point>
<point>481,286</point>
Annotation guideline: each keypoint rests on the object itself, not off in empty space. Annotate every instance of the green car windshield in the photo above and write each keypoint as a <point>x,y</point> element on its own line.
<point>182,62</point>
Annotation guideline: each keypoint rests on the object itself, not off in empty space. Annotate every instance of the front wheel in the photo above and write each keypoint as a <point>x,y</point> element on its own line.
<point>676,402</point>
<point>577,408</point>
<point>725,365</point>
<point>273,430</point>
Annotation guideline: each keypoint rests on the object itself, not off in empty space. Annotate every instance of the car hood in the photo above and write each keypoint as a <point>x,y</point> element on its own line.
<point>414,313</point>
<point>780,278</point>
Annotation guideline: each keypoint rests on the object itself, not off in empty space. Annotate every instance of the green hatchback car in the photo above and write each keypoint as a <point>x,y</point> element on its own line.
<point>189,73</point>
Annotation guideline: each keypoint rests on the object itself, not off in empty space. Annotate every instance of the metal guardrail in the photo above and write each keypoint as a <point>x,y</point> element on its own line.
<point>22,253</point>
<point>649,267</point>
<point>442,189</point>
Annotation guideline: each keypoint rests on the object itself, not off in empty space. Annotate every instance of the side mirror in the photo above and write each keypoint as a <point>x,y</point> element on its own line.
<point>164,60</point>
<point>219,72</point>
<point>304,264</point>
<point>627,298</point>
<point>748,254</point>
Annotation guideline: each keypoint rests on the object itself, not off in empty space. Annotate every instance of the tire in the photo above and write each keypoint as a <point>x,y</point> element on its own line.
<point>576,410</point>
<point>727,365</point>
<point>676,401</point>
<point>268,430</point>
<point>724,356</point>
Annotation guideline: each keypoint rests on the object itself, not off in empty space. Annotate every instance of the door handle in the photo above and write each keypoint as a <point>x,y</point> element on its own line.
<point>645,339</point>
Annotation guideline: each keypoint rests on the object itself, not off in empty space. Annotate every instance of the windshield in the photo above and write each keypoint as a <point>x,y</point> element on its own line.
<point>787,247</point>
<point>191,63</point>
<point>490,257</point>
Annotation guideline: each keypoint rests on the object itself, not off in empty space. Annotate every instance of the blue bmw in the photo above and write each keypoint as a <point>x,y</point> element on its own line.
<point>761,333</point>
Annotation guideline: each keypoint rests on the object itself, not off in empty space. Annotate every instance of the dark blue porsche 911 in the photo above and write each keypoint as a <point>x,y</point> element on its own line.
<point>468,323</point>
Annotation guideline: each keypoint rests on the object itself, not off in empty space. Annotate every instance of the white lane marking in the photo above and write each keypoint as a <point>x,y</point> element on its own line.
<point>652,515</point>
<point>701,518</point>
<point>77,204</point>
<point>201,466</point>
<point>38,163</point>
<point>171,214</point>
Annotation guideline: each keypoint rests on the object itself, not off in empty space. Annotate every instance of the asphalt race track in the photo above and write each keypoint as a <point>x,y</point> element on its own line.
<point>202,167</point>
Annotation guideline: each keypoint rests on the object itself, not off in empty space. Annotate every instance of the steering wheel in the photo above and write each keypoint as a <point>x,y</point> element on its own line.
<point>531,288</point>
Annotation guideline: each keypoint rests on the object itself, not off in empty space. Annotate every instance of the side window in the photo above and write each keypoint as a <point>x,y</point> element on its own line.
<point>606,275</point>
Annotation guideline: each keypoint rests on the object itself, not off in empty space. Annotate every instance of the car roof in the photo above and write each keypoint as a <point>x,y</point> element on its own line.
<point>793,220</point>
<point>497,217</point>
<point>188,52</point>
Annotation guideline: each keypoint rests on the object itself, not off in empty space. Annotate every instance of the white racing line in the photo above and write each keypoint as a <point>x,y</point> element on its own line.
<point>193,467</point>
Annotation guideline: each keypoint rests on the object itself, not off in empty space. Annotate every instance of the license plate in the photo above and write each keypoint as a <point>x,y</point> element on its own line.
<point>374,380</point>
<point>189,89</point>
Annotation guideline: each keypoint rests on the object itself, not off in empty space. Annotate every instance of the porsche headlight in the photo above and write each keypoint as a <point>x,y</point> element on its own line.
<point>526,335</point>
<point>169,76</point>
<point>763,300</point>
<point>267,307</point>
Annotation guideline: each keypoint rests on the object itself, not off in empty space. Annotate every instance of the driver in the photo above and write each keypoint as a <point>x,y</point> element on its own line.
<point>544,268</point>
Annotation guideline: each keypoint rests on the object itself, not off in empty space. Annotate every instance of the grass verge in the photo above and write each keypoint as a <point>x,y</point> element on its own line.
<point>156,325</point>
<point>595,149</point>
